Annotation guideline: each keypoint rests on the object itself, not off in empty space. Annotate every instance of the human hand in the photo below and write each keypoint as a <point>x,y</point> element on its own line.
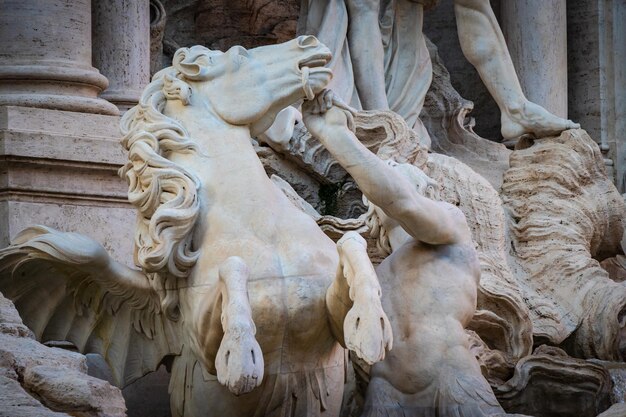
<point>326,113</point>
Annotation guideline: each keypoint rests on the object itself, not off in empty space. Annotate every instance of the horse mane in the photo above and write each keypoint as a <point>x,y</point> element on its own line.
<point>164,193</point>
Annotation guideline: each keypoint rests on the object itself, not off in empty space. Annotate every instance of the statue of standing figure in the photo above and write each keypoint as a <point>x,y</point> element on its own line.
<point>381,62</point>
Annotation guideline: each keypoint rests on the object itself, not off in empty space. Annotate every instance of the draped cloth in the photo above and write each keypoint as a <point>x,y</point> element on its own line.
<point>408,70</point>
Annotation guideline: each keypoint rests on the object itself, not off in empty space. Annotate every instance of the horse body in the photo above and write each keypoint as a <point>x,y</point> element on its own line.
<point>292,262</point>
<point>241,288</point>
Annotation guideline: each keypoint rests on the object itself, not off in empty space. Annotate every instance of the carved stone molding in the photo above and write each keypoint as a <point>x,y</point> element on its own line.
<point>49,65</point>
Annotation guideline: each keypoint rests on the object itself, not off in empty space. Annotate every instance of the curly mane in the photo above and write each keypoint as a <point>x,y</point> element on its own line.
<point>164,193</point>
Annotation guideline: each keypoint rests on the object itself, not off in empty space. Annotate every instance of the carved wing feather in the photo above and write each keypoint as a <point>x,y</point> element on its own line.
<point>66,287</point>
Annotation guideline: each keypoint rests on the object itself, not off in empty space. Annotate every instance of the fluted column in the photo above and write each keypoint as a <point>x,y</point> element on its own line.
<point>536,34</point>
<point>121,48</point>
<point>45,56</point>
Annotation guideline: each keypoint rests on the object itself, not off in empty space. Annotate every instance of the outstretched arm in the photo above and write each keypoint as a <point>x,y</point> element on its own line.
<point>426,220</point>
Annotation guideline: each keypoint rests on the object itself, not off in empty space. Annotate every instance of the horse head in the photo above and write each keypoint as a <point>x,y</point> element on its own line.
<point>249,87</point>
<point>235,88</point>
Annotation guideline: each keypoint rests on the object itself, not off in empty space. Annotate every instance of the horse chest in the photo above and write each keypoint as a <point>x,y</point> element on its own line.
<point>289,309</point>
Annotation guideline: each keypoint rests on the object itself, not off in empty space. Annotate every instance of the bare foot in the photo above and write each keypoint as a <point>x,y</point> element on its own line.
<point>531,118</point>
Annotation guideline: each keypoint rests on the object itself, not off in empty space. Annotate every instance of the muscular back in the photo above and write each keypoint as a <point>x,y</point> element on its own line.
<point>429,295</point>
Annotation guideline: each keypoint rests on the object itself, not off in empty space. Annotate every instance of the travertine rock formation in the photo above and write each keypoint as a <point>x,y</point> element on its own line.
<point>39,381</point>
<point>550,383</point>
<point>566,216</point>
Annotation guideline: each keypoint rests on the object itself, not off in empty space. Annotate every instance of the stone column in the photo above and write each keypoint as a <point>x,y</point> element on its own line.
<point>158,19</point>
<point>45,56</point>
<point>121,48</point>
<point>536,34</point>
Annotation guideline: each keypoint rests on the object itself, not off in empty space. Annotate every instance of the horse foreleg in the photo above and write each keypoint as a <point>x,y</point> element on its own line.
<point>239,360</point>
<point>353,302</point>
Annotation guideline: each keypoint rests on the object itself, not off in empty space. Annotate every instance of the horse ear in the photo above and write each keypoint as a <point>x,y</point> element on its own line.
<point>175,89</point>
<point>194,63</point>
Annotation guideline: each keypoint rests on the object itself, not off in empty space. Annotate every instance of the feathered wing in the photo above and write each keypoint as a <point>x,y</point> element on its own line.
<point>66,287</point>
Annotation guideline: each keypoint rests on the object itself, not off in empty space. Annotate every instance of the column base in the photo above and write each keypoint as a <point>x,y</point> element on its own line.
<point>53,85</point>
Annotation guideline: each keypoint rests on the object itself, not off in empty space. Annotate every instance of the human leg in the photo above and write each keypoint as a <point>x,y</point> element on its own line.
<point>366,51</point>
<point>484,46</point>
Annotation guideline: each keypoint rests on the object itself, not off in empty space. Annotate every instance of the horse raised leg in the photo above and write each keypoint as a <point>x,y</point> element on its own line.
<point>239,361</point>
<point>354,305</point>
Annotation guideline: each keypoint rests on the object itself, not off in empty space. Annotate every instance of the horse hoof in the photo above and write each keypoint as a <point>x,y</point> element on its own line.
<point>367,331</point>
<point>239,362</point>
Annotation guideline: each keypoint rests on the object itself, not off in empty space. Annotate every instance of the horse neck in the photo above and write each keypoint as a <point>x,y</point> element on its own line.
<point>229,157</point>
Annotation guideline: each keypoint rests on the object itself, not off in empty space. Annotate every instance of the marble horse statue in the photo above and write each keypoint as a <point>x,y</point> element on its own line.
<point>239,291</point>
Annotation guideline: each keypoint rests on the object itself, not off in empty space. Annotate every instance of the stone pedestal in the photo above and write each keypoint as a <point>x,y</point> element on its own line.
<point>59,169</point>
<point>121,48</point>
<point>45,56</point>
<point>536,34</point>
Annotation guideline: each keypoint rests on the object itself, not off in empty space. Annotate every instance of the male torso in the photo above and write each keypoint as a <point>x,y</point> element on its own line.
<point>429,294</point>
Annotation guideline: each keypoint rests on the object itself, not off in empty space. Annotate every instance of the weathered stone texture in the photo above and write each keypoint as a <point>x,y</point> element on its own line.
<point>220,24</point>
<point>38,381</point>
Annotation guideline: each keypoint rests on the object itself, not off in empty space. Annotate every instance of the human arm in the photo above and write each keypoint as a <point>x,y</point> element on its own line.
<point>424,219</point>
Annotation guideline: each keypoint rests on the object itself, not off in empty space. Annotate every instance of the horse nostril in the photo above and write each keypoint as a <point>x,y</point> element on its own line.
<point>306,41</point>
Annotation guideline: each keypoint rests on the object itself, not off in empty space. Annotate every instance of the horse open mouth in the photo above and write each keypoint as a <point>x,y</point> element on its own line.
<point>316,60</point>
<point>305,66</point>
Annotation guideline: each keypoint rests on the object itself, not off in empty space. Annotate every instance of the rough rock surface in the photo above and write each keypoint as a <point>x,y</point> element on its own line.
<point>39,381</point>
<point>220,24</point>
<point>565,217</point>
<point>577,388</point>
